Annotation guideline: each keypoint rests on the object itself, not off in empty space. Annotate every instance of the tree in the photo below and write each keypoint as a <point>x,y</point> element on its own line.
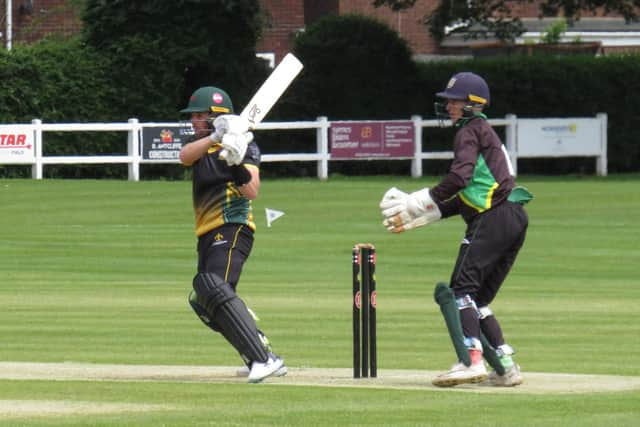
<point>160,51</point>
<point>53,79</point>
<point>480,18</point>
<point>342,53</point>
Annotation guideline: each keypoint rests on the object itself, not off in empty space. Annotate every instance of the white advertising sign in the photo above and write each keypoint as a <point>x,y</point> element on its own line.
<point>16,144</point>
<point>559,137</point>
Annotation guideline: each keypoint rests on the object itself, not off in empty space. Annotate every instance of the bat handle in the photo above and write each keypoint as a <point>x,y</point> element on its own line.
<point>223,154</point>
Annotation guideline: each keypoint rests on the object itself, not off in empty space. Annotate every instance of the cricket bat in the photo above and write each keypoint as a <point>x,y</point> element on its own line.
<point>270,91</point>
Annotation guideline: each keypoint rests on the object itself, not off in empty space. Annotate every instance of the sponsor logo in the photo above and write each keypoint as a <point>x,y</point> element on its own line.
<point>218,98</point>
<point>14,140</point>
<point>215,109</point>
<point>570,128</point>
<point>166,136</point>
<point>219,240</point>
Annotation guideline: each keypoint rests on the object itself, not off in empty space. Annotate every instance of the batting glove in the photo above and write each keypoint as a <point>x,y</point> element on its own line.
<point>234,147</point>
<point>231,123</point>
<point>216,135</point>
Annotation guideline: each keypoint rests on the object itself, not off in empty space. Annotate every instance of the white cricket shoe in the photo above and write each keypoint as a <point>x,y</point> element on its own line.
<point>244,372</point>
<point>461,374</point>
<point>511,378</point>
<point>260,371</point>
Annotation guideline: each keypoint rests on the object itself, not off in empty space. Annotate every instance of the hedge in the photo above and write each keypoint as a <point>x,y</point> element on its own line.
<point>355,68</point>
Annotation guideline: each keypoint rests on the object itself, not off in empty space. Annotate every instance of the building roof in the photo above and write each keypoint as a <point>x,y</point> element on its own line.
<point>609,31</point>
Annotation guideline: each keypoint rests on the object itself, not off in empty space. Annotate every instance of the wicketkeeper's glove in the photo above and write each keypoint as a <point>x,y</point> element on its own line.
<point>402,211</point>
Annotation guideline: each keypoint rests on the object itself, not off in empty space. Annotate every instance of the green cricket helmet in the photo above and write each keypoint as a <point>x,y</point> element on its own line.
<point>209,99</point>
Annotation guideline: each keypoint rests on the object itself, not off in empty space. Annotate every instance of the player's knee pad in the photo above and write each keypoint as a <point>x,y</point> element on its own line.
<point>202,313</point>
<point>211,291</point>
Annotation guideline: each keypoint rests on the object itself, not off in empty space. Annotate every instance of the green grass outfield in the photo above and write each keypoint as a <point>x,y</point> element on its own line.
<point>96,274</point>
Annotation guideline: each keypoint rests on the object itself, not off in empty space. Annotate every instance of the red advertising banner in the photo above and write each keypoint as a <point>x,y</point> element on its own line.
<point>360,140</point>
<point>16,144</point>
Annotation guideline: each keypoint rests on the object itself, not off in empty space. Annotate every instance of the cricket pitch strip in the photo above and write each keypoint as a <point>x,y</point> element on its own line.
<point>534,382</point>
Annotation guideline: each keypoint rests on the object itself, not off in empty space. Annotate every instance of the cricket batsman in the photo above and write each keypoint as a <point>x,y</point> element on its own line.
<point>222,192</point>
<point>479,186</point>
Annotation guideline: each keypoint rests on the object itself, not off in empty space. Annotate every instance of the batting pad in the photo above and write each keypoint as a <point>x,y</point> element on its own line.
<point>229,312</point>
<point>202,313</point>
<point>444,297</point>
<point>490,355</point>
<point>240,329</point>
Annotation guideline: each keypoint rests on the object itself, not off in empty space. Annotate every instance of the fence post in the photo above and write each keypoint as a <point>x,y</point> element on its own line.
<point>416,162</point>
<point>36,168</point>
<point>601,160</point>
<point>133,150</point>
<point>511,141</point>
<point>322,141</point>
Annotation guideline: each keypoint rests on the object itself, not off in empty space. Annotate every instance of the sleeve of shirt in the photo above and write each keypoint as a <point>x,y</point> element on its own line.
<point>252,156</point>
<point>465,156</point>
<point>450,207</point>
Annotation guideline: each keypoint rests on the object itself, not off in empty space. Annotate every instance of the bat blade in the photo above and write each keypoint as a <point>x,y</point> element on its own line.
<point>271,90</point>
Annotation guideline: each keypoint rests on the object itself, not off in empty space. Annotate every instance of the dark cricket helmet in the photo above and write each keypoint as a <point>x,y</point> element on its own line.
<point>467,86</point>
<point>209,99</point>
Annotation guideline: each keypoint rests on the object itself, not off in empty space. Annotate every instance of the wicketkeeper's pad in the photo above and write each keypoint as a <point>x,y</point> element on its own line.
<point>447,301</point>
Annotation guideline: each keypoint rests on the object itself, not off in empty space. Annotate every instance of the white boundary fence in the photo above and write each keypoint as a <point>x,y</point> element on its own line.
<point>552,138</point>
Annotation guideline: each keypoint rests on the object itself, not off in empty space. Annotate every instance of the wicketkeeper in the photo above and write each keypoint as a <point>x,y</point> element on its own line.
<point>479,186</point>
<point>225,164</point>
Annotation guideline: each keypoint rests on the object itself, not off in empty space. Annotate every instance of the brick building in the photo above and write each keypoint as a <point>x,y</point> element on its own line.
<point>287,17</point>
<point>32,19</point>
